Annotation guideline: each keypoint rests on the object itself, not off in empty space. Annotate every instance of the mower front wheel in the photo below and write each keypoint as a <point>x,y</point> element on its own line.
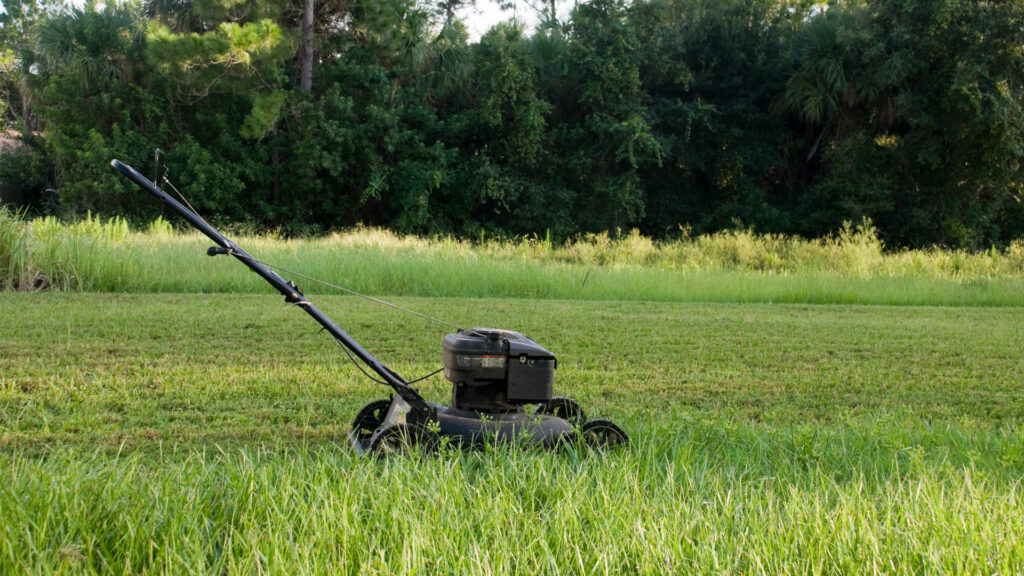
<point>404,438</point>
<point>601,433</point>
<point>368,419</point>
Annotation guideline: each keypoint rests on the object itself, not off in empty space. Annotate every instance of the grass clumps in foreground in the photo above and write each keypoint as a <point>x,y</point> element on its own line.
<point>206,433</point>
<point>733,266</point>
<point>699,496</point>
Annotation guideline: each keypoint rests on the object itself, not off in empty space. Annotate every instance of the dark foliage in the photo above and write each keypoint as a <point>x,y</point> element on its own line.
<point>654,114</point>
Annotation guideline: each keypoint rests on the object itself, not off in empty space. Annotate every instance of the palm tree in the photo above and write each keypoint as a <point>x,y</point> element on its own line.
<point>824,89</point>
<point>97,48</point>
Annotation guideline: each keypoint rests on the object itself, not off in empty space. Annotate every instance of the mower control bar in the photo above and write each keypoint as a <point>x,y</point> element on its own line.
<point>288,289</point>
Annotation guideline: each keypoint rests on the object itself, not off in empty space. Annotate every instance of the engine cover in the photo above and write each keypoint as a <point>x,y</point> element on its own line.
<point>496,370</point>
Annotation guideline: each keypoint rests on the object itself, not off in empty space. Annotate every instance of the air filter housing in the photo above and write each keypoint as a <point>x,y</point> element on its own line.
<point>496,370</point>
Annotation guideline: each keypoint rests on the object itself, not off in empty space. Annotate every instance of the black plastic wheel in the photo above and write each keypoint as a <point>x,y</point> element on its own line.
<point>369,418</point>
<point>565,408</point>
<point>402,439</point>
<point>601,433</point>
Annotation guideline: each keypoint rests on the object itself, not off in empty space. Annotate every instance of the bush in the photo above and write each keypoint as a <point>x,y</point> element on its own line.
<point>29,167</point>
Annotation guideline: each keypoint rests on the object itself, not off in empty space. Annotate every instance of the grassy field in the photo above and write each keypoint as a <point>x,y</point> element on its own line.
<point>189,433</point>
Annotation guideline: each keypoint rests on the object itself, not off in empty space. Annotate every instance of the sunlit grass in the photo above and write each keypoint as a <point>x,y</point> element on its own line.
<point>738,266</point>
<point>702,496</point>
<point>185,432</point>
<point>191,433</point>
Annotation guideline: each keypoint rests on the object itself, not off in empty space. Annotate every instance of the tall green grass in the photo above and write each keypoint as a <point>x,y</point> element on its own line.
<point>46,253</point>
<point>739,266</point>
<point>692,496</point>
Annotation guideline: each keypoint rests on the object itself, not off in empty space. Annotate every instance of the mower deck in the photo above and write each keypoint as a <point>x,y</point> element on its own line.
<point>374,426</point>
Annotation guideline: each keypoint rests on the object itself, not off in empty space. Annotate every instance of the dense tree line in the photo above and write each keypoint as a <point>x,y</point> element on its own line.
<point>784,116</point>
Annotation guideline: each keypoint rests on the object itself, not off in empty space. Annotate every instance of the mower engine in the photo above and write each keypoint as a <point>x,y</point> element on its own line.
<point>496,370</point>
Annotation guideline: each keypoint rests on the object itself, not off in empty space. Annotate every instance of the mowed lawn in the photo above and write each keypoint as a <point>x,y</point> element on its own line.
<point>207,433</point>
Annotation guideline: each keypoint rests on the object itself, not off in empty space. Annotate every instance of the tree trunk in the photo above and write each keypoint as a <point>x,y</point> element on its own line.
<point>28,117</point>
<point>306,61</point>
<point>275,168</point>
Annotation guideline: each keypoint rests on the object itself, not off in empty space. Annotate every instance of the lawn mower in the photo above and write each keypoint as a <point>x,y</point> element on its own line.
<point>495,375</point>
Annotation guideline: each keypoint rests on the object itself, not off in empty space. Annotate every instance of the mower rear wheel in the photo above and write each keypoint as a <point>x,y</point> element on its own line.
<point>404,438</point>
<point>601,433</point>
<point>369,418</point>
<point>565,408</point>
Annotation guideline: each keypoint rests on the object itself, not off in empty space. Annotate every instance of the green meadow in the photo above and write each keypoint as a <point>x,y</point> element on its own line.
<point>165,413</point>
<point>193,433</point>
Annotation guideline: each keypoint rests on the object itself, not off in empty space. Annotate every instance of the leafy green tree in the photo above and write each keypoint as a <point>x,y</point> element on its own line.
<point>362,150</point>
<point>836,88</point>
<point>606,133</point>
<point>711,71</point>
<point>90,96</point>
<point>782,115</point>
<point>234,66</point>
<point>27,166</point>
<point>960,150</point>
<point>912,117</point>
<point>506,172</point>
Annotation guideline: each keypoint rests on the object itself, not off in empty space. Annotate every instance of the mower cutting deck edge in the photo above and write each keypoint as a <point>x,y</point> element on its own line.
<point>495,374</point>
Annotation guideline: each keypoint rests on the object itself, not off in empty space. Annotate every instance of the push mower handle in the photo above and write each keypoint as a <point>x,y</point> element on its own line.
<point>193,218</point>
<point>288,289</point>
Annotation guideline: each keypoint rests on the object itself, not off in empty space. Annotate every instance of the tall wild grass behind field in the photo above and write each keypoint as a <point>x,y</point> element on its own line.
<point>739,265</point>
